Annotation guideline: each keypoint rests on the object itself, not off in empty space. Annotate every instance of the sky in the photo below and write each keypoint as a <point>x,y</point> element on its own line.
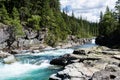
<point>88,9</point>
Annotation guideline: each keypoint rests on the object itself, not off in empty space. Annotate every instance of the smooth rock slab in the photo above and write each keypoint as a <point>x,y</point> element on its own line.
<point>109,73</point>
<point>74,71</point>
<point>116,57</point>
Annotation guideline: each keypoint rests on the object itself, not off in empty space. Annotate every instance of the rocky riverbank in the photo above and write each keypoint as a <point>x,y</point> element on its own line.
<point>34,40</point>
<point>96,63</point>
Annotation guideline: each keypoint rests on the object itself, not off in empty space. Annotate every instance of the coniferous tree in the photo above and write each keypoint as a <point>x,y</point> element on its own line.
<point>4,16</point>
<point>15,22</point>
<point>117,7</point>
<point>108,23</point>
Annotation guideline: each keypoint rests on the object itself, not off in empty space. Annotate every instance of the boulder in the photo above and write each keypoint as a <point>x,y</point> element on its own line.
<point>9,59</point>
<point>81,51</point>
<point>35,51</point>
<point>4,54</point>
<point>42,46</point>
<point>59,61</point>
<point>30,34</point>
<point>63,60</point>
<point>15,52</point>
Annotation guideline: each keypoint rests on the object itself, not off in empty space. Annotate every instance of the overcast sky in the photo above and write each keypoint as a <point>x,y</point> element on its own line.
<point>88,9</point>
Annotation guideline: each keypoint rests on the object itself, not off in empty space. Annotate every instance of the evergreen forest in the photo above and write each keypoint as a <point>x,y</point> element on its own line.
<point>109,27</point>
<point>44,14</point>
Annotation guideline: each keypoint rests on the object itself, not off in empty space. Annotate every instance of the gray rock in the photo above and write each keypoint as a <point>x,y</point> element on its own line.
<point>63,60</point>
<point>28,43</point>
<point>74,71</point>
<point>54,77</point>
<point>3,45</point>
<point>35,51</point>
<point>15,52</point>
<point>109,73</point>
<point>81,51</point>
<point>30,34</point>
<point>9,59</point>
<point>15,44</point>
<point>4,35</point>
<point>4,54</point>
<point>111,52</point>
<point>116,57</point>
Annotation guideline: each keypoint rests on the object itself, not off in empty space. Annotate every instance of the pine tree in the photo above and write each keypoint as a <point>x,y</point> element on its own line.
<point>34,21</point>
<point>15,22</point>
<point>117,7</point>
<point>15,14</point>
<point>4,16</point>
<point>108,23</point>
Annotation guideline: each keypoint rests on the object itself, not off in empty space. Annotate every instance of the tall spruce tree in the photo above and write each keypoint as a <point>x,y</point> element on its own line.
<point>4,16</point>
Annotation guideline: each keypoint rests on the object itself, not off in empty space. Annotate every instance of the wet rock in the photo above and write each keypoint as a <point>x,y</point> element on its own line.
<point>63,60</point>
<point>81,51</point>
<point>59,61</point>
<point>35,51</point>
<point>54,77</point>
<point>15,52</point>
<point>10,59</point>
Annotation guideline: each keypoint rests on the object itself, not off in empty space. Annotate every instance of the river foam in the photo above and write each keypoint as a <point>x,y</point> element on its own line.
<point>17,69</point>
<point>57,52</point>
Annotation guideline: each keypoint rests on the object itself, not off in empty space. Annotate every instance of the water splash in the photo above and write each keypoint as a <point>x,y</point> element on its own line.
<point>18,69</point>
<point>93,41</point>
<point>57,52</point>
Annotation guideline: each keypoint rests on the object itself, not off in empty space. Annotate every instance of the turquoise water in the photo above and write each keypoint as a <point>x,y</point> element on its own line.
<point>34,66</point>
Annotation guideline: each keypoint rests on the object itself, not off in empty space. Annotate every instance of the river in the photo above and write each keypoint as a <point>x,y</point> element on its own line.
<point>35,66</point>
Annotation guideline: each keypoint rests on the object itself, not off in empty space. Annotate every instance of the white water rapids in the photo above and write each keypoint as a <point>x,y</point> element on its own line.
<point>34,66</point>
